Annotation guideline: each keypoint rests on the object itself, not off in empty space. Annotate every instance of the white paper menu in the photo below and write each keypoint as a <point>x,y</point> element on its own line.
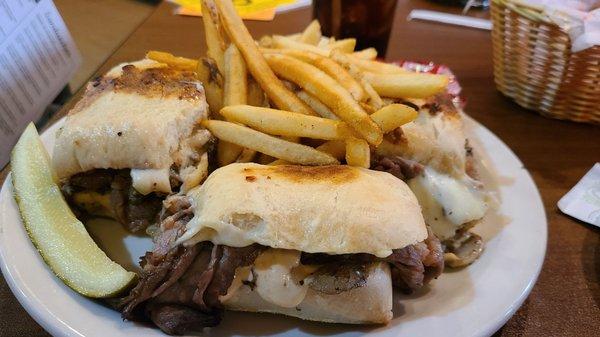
<point>37,59</point>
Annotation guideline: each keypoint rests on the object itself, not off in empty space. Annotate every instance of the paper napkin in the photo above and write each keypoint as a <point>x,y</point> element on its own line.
<point>583,200</point>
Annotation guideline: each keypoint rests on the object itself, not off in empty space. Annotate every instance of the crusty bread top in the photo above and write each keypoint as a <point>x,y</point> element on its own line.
<point>324,209</point>
<point>134,117</point>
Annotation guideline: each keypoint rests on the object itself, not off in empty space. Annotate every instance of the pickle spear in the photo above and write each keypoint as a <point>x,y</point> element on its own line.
<point>61,239</point>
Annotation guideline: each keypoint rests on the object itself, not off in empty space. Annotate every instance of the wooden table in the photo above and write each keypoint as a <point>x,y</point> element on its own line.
<point>566,299</point>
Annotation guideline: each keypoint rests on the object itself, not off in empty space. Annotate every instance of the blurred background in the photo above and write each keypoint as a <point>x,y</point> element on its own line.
<point>99,27</point>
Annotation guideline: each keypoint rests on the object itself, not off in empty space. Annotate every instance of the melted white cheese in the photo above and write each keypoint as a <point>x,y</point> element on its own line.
<point>146,181</point>
<point>274,278</point>
<point>447,202</point>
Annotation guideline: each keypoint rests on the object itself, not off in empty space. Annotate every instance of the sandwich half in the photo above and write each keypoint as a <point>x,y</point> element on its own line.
<point>432,154</point>
<point>324,243</point>
<point>132,139</point>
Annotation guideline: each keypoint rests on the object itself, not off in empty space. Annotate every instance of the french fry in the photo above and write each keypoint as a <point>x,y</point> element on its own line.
<point>407,85</point>
<point>169,59</point>
<point>358,152</point>
<point>291,139</point>
<point>393,116</point>
<point>235,91</point>
<point>282,42</point>
<point>373,98</point>
<point>227,152</point>
<point>266,41</point>
<point>295,36</point>
<point>235,88</point>
<point>324,42</point>
<point>212,80</point>
<point>330,67</point>
<point>368,65</point>
<point>344,45</point>
<point>311,34</point>
<point>279,162</point>
<point>366,54</point>
<point>316,105</point>
<point>272,146</point>
<point>283,123</point>
<point>215,43</point>
<point>246,156</point>
<point>258,67</point>
<point>368,108</point>
<point>336,148</point>
<point>328,91</point>
<point>256,96</point>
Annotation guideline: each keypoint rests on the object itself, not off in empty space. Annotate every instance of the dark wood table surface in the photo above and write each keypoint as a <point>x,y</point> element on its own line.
<point>566,298</point>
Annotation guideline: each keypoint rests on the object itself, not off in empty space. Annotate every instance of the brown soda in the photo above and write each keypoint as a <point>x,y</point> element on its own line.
<point>369,21</point>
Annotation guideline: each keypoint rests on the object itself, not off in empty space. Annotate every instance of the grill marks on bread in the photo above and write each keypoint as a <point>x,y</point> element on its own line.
<point>162,82</point>
<point>335,174</point>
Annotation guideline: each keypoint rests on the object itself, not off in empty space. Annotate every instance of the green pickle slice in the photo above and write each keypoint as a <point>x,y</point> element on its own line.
<point>61,239</point>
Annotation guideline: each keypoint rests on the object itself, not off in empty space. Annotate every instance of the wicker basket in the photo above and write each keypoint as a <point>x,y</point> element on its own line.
<point>534,65</point>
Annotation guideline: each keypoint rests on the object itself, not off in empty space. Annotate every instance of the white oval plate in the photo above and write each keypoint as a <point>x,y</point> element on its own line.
<point>475,301</point>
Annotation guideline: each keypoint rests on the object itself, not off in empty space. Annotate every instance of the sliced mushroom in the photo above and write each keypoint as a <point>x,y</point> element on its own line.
<point>464,248</point>
<point>333,279</point>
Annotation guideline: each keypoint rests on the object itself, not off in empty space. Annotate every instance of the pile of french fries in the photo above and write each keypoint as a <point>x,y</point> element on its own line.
<point>298,99</point>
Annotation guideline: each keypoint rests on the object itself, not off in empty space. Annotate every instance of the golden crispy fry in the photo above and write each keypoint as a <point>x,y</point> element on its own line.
<point>366,54</point>
<point>235,91</point>
<point>273,146</point>
<point>324,42</point>
<point>316,105</point>
<point>344,45</point>
<point>246,156</point>
<point>358,152</point>
<point>311,34</point>
<point>258,67</point>
<point>215,43</point>
<point>227,152</point>
<point>256,96</point>
<point>266,41</point>
<point>407,85</point>
<point>393,116</point>
<point>378,67</point>
<point>291,139</point>
<point>368,108</point>
<point>295,36</point>
<point>282,42</point>
<point>283,123</point>
<point>328,91</point>
<point>368,65</point>
<point>212,80</point>
<point>279,162</point>
<point>330,67</point>
<point>235,88</point>
<point>373,98</point>
<point>181,63</point>
<point>336,148</point>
